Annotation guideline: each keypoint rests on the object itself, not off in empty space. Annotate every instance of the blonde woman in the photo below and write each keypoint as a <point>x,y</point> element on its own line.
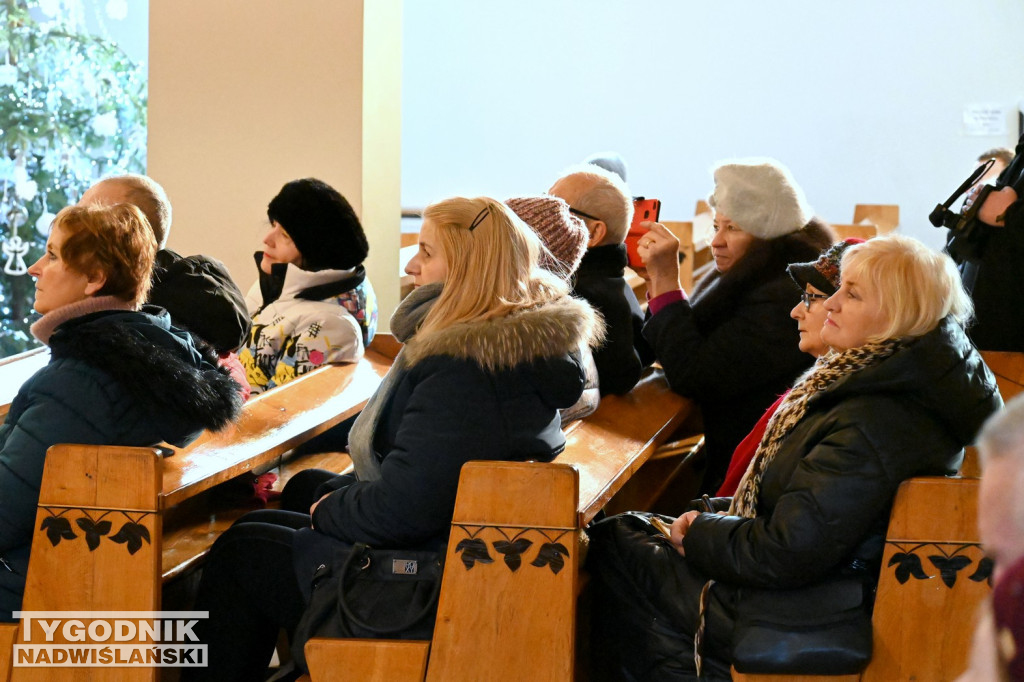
<point>900,394</point>
<point>483,375</point>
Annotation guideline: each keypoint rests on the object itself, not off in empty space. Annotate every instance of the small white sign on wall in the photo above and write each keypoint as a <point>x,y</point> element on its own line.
<point>985,119</point>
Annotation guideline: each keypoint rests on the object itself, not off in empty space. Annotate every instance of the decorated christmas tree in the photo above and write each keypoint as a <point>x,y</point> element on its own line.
<point>72,110</point>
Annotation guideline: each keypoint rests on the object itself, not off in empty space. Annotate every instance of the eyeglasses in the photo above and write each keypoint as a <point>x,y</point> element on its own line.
<point>576,211</point>
<point>808,297</point>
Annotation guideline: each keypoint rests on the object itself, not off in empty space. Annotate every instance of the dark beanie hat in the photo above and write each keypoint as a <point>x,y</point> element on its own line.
<point>322,224</point>
<point>822,274</point>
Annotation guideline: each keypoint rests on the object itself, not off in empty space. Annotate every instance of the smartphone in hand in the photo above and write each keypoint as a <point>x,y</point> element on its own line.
<point>644,210</point>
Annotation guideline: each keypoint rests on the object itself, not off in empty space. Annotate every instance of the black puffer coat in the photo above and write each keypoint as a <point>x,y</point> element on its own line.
<point>823,506</point>
<point>991,271</point>
<point>600,280</point>
<point>732,347</point>
<point>473,391</point>
<point>115,377</point>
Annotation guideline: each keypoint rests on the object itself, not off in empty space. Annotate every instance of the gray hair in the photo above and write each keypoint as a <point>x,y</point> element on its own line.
<point>1002,436</point>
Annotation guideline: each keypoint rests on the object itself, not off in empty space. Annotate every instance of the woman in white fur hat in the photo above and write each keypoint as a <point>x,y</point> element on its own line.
<point>731,346</point>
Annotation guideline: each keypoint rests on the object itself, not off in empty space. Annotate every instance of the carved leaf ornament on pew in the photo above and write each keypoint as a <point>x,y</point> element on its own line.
<point>473,550</point>
<point>909,565</point>
<point>131,534</point>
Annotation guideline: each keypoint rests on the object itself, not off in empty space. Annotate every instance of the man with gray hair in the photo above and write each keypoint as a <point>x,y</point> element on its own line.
<point>197,291</point>
<point>602,201</point>
<point>998,650</point>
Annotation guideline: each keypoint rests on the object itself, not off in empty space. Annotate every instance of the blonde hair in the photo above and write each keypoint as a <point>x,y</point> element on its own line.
<point>917,287</point>
<point>1003,433</point>
<point>606,197</point>
<point>492,259</point>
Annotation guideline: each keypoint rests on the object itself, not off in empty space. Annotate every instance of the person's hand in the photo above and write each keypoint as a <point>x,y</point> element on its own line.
<point>971,195</point>
<point>659,250</point>
<point>679,529</point>
<point>995,205</point>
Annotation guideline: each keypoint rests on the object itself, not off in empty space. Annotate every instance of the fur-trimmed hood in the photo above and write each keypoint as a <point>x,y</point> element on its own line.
<point>180,385</point>
<point>765,260</point>
<point>550,330</point>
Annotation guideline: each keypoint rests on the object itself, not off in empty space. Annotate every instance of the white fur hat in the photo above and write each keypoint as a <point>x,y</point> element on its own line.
<point>760,196</point>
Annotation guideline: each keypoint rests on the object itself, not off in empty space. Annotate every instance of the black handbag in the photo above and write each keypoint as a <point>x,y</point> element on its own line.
<point>370,593</point>
<point>822,629</point>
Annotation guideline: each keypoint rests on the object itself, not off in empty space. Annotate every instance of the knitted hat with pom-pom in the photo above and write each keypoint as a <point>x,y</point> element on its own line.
<point>563,234</point>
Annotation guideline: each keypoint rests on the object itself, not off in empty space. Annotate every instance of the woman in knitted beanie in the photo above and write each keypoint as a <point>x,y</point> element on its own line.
<point>483,373</point>
<point>900,394</point>
<point>729,346</point>
<point>312,304</point>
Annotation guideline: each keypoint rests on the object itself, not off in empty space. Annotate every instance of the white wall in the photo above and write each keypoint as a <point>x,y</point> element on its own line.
<point>245,95</point>
<point>862,100</point>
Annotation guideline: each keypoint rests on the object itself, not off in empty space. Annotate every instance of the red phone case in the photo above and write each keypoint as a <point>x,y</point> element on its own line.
<point>644,210</point>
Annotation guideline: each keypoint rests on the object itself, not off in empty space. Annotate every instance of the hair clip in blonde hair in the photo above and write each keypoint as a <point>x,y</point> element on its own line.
<point>479,218</point>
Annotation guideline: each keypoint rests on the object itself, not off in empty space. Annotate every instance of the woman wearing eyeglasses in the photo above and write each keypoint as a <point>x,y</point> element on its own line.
<point>729,346</point>
<point>491,354</point>
<point>899,395</point>
<point>817,281</point>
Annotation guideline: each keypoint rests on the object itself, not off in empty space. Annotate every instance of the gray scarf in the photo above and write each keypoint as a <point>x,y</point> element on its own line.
<point>404,323</point>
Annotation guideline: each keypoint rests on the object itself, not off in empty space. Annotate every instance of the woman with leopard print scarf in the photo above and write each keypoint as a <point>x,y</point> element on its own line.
<point>900,395</point>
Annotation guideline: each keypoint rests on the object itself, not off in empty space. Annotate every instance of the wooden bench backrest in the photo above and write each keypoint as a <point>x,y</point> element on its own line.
<point>520,519</point>
<point>683,231</point>
<point>930,585</point>
<point>855,231</point>
<point>515,620</point>
<point>97,542</point>
<point>885,216</point>
<point>610,445</point>
<point>15,370</point>
<point>923,619</point>
<point>80,563</point>
<point>1009,371</point>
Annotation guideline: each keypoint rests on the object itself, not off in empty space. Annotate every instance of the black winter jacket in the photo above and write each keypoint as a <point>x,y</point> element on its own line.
<point>481,391</point>
<point>825,498</point>
<point>114,378</point>
<point>733,347</point>
<point>823,506</point>
<point>600,281</point>
<point>992,275</point>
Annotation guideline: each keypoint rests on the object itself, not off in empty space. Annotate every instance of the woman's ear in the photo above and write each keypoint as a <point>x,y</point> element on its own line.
<point>96,281</point>
<point>597,233</point>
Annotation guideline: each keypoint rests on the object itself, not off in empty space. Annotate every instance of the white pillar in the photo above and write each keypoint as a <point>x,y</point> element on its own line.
<point>245,95</point>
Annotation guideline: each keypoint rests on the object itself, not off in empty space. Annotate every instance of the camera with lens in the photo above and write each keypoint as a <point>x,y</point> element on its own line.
<point>965,222</point>
<point>966,230</point>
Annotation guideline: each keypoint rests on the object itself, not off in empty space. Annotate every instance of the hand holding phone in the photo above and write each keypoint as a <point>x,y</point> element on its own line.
<point>644,210</point>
